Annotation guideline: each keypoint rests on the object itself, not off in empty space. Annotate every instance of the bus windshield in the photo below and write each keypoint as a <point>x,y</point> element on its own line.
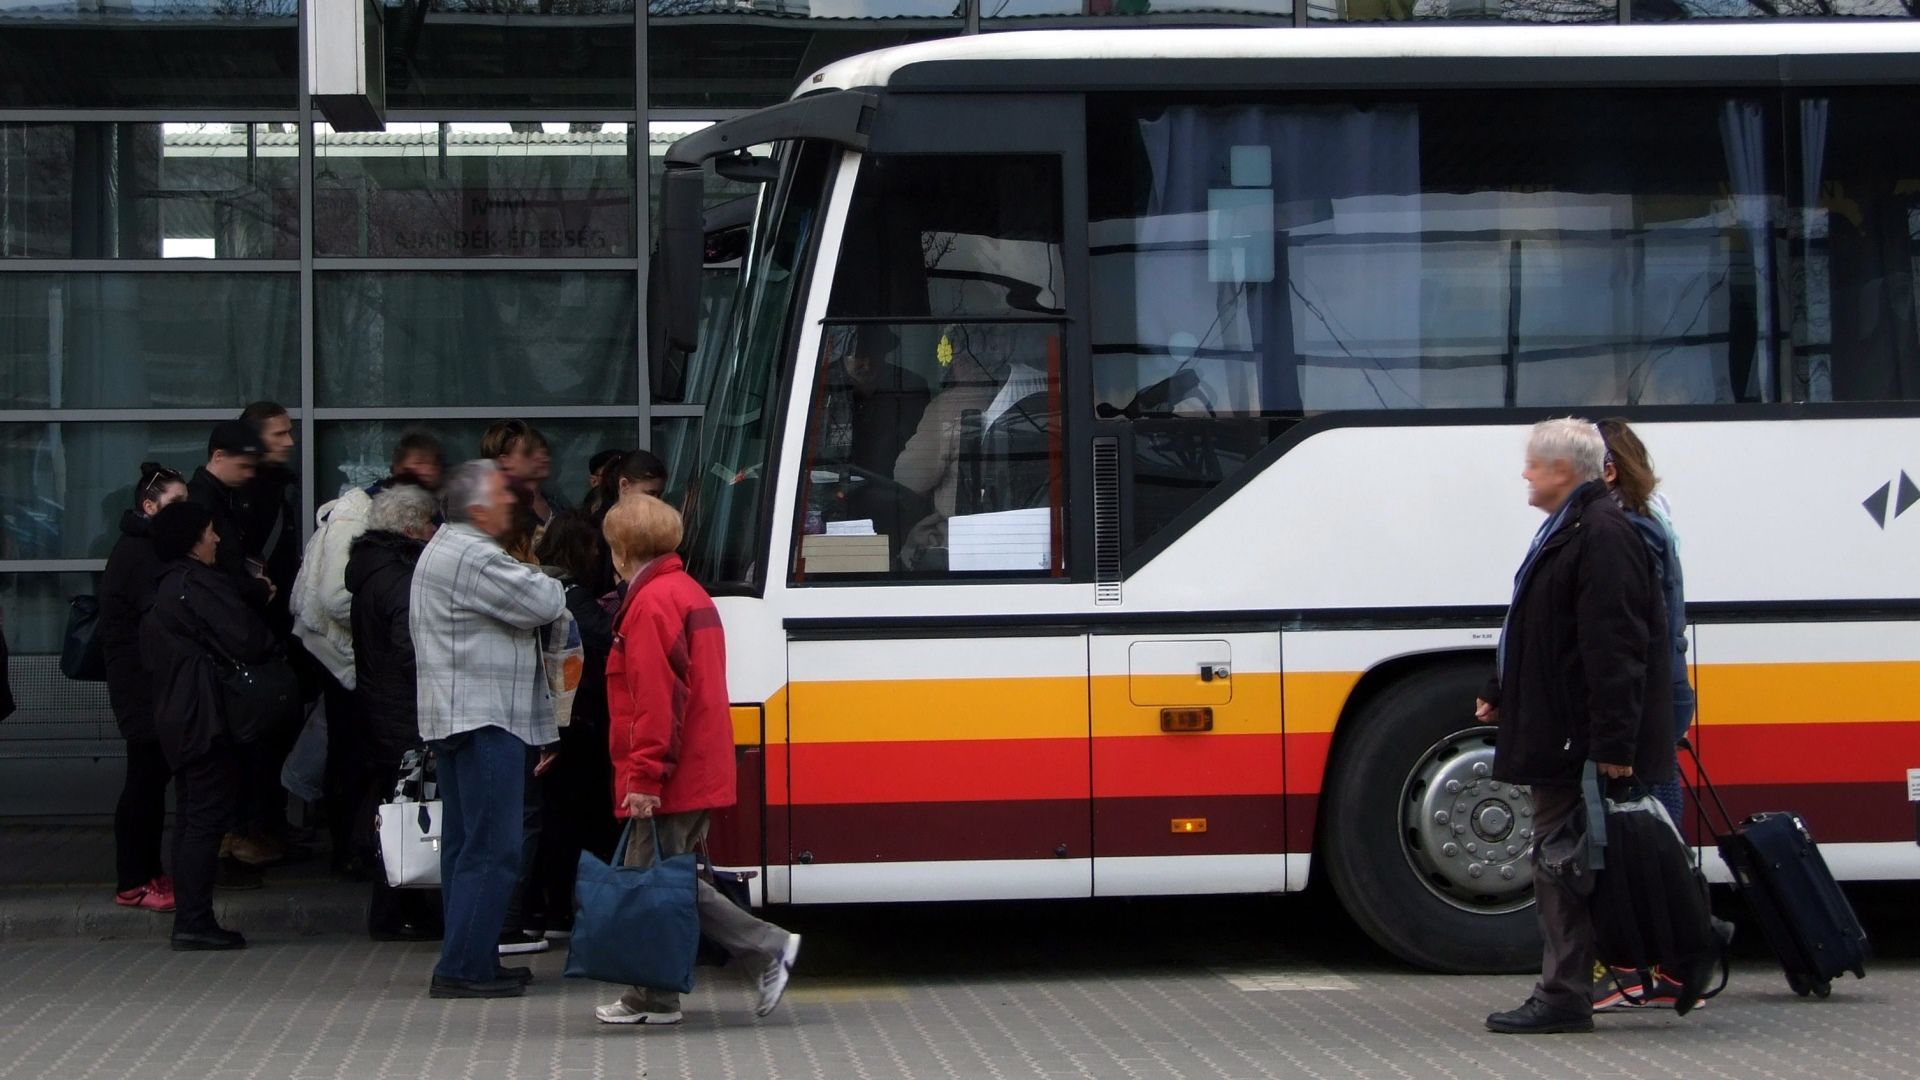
<point>728,496</point>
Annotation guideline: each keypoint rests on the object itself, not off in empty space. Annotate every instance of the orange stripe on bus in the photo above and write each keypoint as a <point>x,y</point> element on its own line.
<point>1876,692</point>
<point>938,710</point>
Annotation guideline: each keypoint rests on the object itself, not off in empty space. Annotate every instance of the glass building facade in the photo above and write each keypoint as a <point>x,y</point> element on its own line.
<point>181,233</point>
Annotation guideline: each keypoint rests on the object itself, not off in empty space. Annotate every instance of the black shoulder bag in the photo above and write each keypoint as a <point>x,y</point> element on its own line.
<point>257,701</point>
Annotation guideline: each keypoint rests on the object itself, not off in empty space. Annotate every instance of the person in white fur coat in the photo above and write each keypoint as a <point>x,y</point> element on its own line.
<point>322,620</point>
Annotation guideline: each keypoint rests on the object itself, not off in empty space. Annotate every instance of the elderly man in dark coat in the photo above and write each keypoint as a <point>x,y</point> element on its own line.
<point>1582,676</point>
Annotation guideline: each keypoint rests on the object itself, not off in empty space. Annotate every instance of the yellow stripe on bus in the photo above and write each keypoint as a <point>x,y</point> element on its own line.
<point>925,710</point>
<point>1865,692</point>
<point>928,710</point>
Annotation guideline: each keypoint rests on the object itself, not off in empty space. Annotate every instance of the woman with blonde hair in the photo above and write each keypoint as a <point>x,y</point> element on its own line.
<point>670,733</point>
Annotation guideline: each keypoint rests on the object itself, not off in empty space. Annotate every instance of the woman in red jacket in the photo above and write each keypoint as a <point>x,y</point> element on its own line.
<point>670,732</point>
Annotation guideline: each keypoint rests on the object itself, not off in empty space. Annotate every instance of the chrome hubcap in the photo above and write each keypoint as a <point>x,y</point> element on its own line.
<point>1466,834</point>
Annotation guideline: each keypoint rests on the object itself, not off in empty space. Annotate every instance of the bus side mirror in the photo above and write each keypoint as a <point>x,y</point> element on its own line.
<point>666,366</point>
<point>682,255</point>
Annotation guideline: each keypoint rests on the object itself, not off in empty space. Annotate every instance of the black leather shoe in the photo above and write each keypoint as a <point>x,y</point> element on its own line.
<point>1536,1018</point>
<point>521,975</point>
<point>444,987</point>
<point>215,940</point>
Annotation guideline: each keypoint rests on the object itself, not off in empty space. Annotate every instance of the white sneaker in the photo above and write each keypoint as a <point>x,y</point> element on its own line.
<point>620,1013</point>
<point>520,942</point>
<point>773,979</point>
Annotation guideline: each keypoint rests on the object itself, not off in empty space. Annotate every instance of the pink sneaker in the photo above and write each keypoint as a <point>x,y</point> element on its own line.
<point>148,897</point>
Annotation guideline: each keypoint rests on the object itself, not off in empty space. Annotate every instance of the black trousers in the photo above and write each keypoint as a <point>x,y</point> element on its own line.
<point>209,800</point>
<point>344,781</point>
<point>1566,922</point>
<point>578,815</point>
<point>522,913</point>
<point>141,815</point>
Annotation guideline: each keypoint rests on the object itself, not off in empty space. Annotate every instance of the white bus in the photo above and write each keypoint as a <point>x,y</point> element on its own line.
<point>1110,471</point>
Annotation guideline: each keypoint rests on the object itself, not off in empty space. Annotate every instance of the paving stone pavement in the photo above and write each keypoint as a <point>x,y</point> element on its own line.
<point>1075,991</point>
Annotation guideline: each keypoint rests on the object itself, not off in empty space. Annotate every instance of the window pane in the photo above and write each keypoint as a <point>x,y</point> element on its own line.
<point>759,61</point>
<point>474,189</point>
<point>934,451</point>
<point>676,441</point>
<point>1856,248</point>
<point>516,54</point>
<point>187,53</point>
<point>63,486</point>
<point>1524,11</point>
<point>1262,262</point>
<point>137,340</point>
<point>951,235</point>
<point>149,191</point>
<point>355,453</point>
<point>33,610</point>
<point>506,338</point>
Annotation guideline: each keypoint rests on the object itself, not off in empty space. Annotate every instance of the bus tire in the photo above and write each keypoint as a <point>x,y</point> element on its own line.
<point>1408,794</point>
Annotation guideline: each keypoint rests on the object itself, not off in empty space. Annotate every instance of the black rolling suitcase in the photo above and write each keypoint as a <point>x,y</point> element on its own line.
<point>1778,868</point>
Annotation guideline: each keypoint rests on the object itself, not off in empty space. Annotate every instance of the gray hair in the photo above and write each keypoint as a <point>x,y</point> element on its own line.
<point>468,486</point>
<point>403,508</point>
<point>1572,440</point>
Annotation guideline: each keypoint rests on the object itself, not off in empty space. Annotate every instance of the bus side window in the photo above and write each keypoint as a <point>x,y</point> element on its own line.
<point>934,450</point>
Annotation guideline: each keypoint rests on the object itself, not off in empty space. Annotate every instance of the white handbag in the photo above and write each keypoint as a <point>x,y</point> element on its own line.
<point>410,828</point>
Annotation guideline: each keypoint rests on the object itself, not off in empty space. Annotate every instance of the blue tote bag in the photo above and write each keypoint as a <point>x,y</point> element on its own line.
<point>635,926</point>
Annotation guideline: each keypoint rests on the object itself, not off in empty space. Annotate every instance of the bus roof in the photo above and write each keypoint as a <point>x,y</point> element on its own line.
<point>1057,59</point>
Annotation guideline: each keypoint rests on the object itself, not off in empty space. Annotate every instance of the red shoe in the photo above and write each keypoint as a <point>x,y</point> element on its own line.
<point>147,897</point>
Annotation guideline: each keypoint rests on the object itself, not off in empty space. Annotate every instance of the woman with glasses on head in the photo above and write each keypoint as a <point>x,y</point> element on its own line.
<point>126,592</point>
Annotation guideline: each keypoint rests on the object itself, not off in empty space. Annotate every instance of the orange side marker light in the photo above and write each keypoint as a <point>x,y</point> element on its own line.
<point>1186,719</point>
<point>1189,825</point>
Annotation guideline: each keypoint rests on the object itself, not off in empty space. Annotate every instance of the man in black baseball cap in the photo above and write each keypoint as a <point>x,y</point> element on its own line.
<point>233,456</point>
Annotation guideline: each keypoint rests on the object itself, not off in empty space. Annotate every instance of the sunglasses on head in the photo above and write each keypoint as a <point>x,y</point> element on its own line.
<point>157,480</point>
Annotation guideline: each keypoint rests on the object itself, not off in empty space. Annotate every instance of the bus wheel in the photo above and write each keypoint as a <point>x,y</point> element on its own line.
<point>1427,851</point>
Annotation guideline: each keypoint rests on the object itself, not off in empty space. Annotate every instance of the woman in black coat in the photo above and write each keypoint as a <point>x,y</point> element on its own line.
<point>126,592</point>
<point>380,578</point>
<point>198,609</point>
<point>578,790</point>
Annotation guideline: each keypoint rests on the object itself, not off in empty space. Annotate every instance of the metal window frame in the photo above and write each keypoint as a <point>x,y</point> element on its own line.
<point>28,265</point>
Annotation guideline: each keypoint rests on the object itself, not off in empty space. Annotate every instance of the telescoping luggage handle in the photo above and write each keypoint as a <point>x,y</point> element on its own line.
<point>1700,771</point>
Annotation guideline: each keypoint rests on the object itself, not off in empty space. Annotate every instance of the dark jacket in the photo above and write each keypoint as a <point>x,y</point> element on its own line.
<point>380,577</point>
<point>596,638</point>
<point>126,593</point>
<point>196,608</point>
<point>272,520</point>
<point>1587,655</point>
<point>232,512</point>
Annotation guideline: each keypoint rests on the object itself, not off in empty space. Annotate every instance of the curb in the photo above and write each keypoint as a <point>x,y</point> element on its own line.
<point>67,912</point>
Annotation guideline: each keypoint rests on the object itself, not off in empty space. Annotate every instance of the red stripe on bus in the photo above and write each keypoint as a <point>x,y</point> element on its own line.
<point>1197,764</point>
<point>1810,753</point>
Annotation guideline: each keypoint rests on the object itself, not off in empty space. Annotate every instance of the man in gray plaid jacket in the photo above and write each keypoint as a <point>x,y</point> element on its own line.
<point>476,616</point>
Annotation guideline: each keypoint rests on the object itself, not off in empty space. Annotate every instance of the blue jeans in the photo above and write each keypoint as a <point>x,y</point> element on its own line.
<point>482,788</point>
